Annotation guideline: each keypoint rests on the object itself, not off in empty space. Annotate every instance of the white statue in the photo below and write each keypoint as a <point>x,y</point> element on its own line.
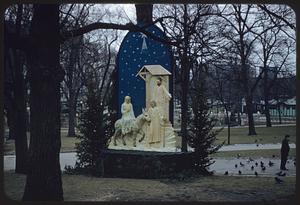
<point>127,120</point>
<point>161,96</point>
<point>128,125</point>
<point>155,124</point>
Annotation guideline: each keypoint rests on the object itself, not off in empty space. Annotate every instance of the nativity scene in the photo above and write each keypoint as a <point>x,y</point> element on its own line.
<point>151,130</point>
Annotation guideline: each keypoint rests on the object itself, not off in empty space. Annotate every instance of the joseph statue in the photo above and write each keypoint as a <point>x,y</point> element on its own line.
<point>162,97</point>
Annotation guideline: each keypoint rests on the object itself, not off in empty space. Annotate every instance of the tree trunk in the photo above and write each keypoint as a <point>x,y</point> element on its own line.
<point>184,103</point>
<point>15,98</point>
<point>21,146</point>
<point>72,114</point>
<point>144,13</point>
<point>228,127</point>
<point>43,181</point>
<point>249,105</point>
<point>279,114</point>
<point>267,112</point>
<point>185,71</point>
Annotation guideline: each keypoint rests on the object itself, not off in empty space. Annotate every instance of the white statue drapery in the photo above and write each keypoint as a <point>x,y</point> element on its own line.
<point>161,96</point>
<point>128,117</point>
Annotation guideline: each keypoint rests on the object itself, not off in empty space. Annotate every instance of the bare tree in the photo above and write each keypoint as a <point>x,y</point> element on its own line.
<point>17,18</point>
<point>273,50</point>
<point>240,28</point>
<point>185,25</point>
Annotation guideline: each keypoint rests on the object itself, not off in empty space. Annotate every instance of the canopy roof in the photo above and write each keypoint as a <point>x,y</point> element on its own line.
<point>153,70</point>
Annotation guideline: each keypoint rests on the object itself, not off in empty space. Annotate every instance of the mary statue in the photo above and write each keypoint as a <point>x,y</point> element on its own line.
<point>128,118</point>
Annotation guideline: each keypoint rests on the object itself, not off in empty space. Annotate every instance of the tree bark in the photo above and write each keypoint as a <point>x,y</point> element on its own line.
<point>144,13</point>
<point>249,106</point>
<point>228,126</point>
<point>267,112</point>
<point>21,146</point>
<point>43,181</point>
<point>16,98</point>
<point>185,72</point>
<point>72,114</point>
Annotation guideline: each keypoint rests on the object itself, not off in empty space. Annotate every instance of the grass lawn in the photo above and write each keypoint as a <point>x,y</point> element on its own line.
<point>238,136</point>
<point>264,135</point>
<point>67,143</point>
<point>214,188</point>
<point>268,153</point>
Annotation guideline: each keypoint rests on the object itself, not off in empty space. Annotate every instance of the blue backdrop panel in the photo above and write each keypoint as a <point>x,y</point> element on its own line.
<point>136,51</point>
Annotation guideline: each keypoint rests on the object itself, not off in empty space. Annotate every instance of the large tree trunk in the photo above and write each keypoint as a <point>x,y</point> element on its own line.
<point>144,13</point>
<point>43,181</point>
<point>21,147</point>
<point>249,105</point>
<point>185,73</point>
<point>15,98</point>
<point>184,101</point>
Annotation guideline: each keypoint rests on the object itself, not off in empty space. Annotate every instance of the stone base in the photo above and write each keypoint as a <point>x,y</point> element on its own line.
<point>145,164</point>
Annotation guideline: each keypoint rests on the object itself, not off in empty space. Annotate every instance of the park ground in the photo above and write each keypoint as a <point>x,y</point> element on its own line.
<point>273,135</point>
<point>213,188</point>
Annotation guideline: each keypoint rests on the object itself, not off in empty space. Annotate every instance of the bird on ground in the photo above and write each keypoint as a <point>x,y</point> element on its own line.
<point>240,172</point>
<point>226,173</point>
<point>242,164</point>
<point>256,164</point>
<point>250,159</point>
<point>236,165</point>
<point>273,156</point>
<point>257,145</point>
<point>261,164</point>
<point>271,163</point>
<point>278,180</point>
<point>263,168</point>
<point>252,167</point>
<point>279,173</point>
<point>256,174</point>
<point>282,174</point>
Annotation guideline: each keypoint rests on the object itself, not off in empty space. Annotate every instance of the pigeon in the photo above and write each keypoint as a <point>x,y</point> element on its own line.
<point>261,164</point>
<point>282,174</point>
<point>236,165</point>
<point>242,164</point>
<point>278,180</point>
<point>240,172</point>
<point>226,173</point>
<point>263,168</point>
<point>279,173</point>
<point>252,167</point>
<point>256,174</point>
<point>257,145</point>
<point>273,156</point>
<point>250,159</point>
<point>256,164</point>
<point>271,163</point>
